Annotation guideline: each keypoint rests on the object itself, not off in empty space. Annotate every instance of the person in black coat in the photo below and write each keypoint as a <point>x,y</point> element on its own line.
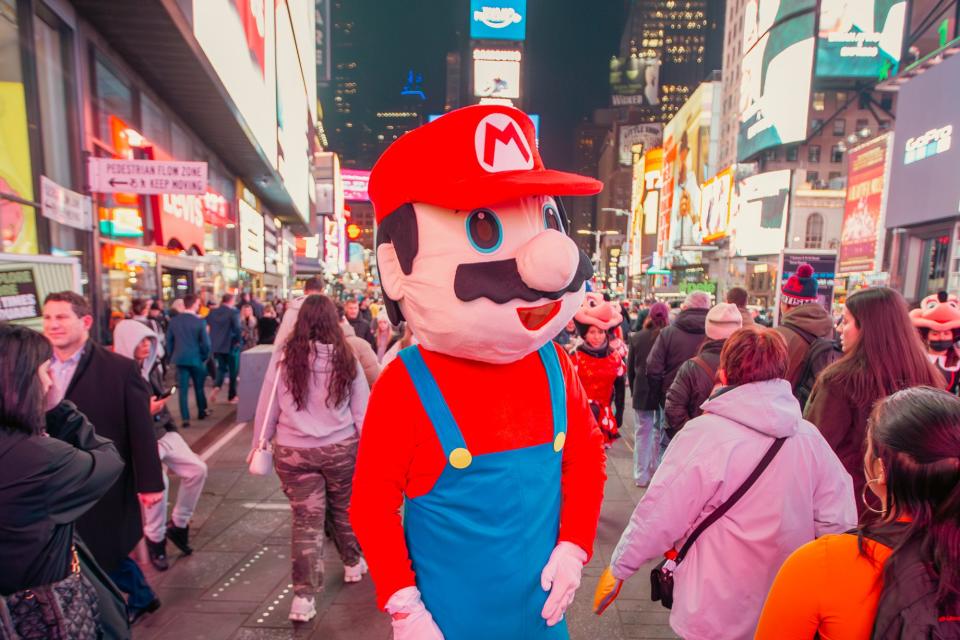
<point>648,423</point>
<point>675,345</point>
<point>111,392</point>
<point>53,469</point>
<point>351,309</point>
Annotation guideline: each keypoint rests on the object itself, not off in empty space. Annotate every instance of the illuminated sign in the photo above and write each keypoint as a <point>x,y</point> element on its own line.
<point>859,38</point>
<point>762,204</point>
<point>355,184</point>
<point>931,143</point>
<point>715,206</point>
<point>252,257</point>
<point>860,246</point>
<point>649,135</point>
<point>121,222</point>
<point>354,231</point>
<point>634,81</point>
<point>496,78</point>
<point>498,19</point>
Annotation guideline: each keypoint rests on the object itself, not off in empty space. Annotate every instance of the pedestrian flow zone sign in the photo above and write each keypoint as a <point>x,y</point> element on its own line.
<point>147,177</point>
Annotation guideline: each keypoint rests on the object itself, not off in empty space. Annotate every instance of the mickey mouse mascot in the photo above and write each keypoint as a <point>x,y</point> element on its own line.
<point>482,433</point>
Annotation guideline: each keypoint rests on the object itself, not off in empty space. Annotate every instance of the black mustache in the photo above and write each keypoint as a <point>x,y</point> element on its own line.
<point>500,281</point>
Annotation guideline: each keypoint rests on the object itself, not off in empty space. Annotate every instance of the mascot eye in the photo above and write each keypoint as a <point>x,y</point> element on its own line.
<point>484,230</point>
<point>551,218</point>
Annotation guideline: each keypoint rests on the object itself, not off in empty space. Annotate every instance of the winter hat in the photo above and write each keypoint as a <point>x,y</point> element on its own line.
<point>722,320</point>
<point>800,288</point>
<point>660,313</point>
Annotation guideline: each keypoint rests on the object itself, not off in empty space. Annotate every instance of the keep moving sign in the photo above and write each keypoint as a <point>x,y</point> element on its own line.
<point>147,177</point>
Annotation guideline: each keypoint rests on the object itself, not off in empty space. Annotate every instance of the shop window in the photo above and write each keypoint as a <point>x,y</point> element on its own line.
<point>813,153</point>
<point>813,239</point>
<point>836,153</point>
<point>839,127</point>
<point>793,153</point>
<point>819,100</point>
<point>112,97</point>
<point>154,123</point>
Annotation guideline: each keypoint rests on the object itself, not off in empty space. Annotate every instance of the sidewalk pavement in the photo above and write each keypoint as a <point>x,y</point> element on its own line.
<point>236,585</point>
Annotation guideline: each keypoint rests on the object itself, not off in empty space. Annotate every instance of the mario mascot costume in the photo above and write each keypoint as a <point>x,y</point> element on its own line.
<point>482,433</point>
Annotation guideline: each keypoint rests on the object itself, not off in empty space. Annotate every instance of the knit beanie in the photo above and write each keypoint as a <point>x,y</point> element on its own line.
<point>659,312</point>
<point>800,288</point>
<point>722,320</point>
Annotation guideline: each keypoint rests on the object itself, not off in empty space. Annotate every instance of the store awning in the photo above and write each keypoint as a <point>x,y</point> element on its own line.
<point>156,40</point>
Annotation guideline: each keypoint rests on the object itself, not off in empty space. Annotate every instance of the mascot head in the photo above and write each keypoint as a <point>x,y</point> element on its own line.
<point>597,312</point>
<point>471,241</point>
<point>939,312</point>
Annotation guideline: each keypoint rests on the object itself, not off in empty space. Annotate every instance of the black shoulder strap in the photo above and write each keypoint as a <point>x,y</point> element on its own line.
<point>806,335</point>
<point>732,500</point>
<point>707,369</point>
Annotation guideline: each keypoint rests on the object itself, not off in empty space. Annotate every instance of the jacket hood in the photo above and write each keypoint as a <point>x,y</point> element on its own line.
<point>812,318</point>
<point>692,321</point>
<point>348,329</point>
<point>768,407</point>
<point>127,335</point>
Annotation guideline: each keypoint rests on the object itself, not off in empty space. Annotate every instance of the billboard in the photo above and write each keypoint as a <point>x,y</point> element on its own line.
<point>322,40</point>
<point>652,183</point>
<point>252,255</point>
<point>923,174</point>
<point>498,19</point>
<point>649,135</point>
<point>715,199</point>
<point>634,81</point>
<point>496,73</point>
<point>775,80</point>
<point>760,15</point>
<point>860,239</point>
<point>824,265</point>
<point>762,205</point>
<point>860,38</point>
<point>355,183</point>
<point>293,114</point>
<point>237,37</point>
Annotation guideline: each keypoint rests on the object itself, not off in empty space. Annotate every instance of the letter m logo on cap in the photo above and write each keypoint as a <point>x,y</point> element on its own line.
<point>501,145</point>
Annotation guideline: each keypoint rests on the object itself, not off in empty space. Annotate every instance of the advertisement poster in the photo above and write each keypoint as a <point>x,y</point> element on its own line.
<point>715,201</point>
<point>18,224</point>
<point>860,243</point>
<point>824,265</point>
<point>649,135</point>
<point>252,256</point>
<point>775,80</point>
<point>859,38</point>
<point>498,19</point>
<point>18,295</point>
<point>355,183</point>
<point>762,205</point>
<point>666,200</point>
<point>652,179</point>
<point>496,78</point>
<point>293,116</point>
<point>634,81</point>
<point>760,15</point>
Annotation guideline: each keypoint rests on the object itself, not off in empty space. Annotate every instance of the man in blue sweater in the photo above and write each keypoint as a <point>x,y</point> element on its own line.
<point>189,346</point>
<point>225,338</point>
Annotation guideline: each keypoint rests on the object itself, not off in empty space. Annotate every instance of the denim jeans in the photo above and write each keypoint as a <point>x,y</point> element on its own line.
<point>648,448</point>
<point>228,364</point>
<point>130,579</point>
<point>186,373</point>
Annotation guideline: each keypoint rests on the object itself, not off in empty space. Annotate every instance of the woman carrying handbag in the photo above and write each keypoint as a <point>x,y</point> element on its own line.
<point>315,412</point>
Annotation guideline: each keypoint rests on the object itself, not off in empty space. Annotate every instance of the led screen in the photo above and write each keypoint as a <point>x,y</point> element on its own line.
<point>251,239</point>
<point>715,200</point>
<point>498,19</point>
<point>775,87</point>
<point>634,81</point>
<point>859,38</point>
<point>760,15</point>
<point>237,37</point>
<point>293,116</point>
<point>496,78</point>
<point>924,174</point>
<point>762,204</point>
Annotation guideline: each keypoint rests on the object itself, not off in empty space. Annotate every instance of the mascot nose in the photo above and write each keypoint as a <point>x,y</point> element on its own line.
<point>548,262</point>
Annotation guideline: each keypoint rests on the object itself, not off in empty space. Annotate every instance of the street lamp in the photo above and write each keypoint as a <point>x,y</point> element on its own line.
<point>626,257</point>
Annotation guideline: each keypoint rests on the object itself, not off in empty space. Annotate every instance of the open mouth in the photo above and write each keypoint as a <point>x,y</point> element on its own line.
<point>535,317</point>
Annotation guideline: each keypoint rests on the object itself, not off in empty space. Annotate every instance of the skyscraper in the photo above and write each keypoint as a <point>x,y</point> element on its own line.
<point>346,123</point>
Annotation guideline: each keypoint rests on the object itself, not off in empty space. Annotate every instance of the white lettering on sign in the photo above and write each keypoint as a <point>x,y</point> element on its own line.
<point>497,17</point>
<point>933,142</point>
<point>147,177</point>
<point>185,207</point>
<point>65,206</point>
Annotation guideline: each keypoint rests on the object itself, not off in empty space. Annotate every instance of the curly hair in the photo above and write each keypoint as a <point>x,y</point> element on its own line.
<point>317,324</point>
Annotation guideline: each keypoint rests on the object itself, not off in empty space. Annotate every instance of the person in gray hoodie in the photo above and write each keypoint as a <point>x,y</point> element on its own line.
<point>315,418</point>
<point>135,340</point>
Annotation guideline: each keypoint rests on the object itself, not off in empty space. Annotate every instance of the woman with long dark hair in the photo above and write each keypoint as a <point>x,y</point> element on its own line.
<point>53,468</point>
<point>882,355</point>
<point>321,398</point>
<point>900,577</point>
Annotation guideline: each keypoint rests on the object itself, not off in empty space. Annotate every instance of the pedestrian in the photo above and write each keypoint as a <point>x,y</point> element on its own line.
<point>938,322</point>
<point>648,423</point>
<point>248,327</point>
<point>176,307</point>
<point>257,307</point>
<point>226,338</point>
<point>110,391</point>
<point>598,367</point>
<point>899,575</point>
<point>384,336</point>
<point>407,339</point>
<point>361,326</point>
<point>320,404</point>
<point>568,338</point>
<point>696,377</point>
<point>675,345</point>
<point>267,325</point>
<point>882,354</point>
<point>365,312</point>
<point>802,321</point>
<point>802,492</point>
<point>137,342</point>
<point>53,469</point>
<point>738,296</point>
<point>361,349</point>
<point>189,345</point>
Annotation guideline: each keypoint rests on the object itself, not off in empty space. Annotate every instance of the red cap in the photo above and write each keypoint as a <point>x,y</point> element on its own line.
<point>468,158</point>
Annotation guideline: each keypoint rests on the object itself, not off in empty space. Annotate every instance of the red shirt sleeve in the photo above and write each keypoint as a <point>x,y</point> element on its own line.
<point>584,466</point>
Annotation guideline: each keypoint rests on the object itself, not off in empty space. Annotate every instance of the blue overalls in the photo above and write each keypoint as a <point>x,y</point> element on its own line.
<point>481,537</point>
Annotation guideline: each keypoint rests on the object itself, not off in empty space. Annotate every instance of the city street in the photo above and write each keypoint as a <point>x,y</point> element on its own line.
<point>237,582</point>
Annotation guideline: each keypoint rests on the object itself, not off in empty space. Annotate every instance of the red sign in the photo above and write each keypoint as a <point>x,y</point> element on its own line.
<point>863,209</point>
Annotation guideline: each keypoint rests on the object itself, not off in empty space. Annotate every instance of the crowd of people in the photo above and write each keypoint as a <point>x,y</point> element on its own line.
<point>799,480</point>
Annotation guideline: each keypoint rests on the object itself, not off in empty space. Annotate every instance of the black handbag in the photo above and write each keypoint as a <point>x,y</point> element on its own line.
<point>114,624</point>
<point>661,576</point>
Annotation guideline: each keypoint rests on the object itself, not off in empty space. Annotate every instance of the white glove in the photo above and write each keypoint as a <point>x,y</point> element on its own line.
<point>561,577</point>
<point>411,620</point>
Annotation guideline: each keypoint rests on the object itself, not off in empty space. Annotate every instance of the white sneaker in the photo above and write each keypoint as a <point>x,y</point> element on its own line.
<point>355,573</point>
<point>302,609</point>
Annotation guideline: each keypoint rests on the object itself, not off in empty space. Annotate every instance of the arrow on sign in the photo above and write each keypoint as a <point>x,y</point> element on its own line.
<point>114,182</point>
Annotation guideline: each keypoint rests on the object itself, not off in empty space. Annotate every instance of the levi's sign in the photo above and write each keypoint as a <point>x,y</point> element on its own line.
<point>147,177</point>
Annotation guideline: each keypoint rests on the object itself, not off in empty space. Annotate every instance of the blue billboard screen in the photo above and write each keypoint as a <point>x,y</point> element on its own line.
<point>498,19</point>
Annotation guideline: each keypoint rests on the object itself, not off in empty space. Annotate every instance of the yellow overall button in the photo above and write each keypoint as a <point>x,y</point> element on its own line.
<point>460,458</point>
<point>559,441</point>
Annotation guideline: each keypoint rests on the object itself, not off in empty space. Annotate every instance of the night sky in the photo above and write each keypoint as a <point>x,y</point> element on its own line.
<point>568,46</point>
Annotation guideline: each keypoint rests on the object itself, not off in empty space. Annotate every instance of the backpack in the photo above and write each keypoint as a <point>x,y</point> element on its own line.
<point>908,602</point>
<point>821,353</point>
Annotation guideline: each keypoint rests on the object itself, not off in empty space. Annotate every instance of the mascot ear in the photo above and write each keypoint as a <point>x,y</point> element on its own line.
<point>391,274</point>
